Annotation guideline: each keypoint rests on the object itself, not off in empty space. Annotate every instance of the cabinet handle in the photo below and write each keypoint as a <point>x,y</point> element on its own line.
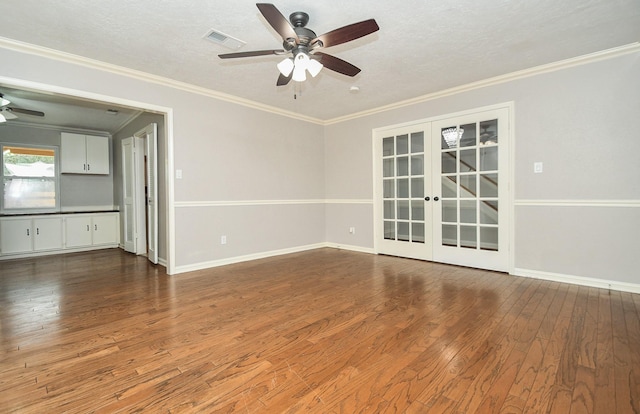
<point>88,167</point>
<point>84,167</point>
<point>87,227</point>
<point>37,230</point>
<point>27,232</point>
<point>95,227</point>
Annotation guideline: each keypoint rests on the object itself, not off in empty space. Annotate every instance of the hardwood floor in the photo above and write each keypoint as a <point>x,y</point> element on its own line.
<point>324,331</point>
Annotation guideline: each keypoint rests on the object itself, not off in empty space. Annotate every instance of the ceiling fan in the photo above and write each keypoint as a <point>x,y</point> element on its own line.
<point>9,112</point>
<point>303,44</point>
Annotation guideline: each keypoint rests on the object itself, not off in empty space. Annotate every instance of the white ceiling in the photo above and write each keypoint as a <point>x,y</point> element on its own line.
<point>422,47</point>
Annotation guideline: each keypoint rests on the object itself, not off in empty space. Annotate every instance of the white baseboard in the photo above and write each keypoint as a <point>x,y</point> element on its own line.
<point>54,252</point>
<point>245,258</point>
<point>352,248</point>
<point>579,280</point>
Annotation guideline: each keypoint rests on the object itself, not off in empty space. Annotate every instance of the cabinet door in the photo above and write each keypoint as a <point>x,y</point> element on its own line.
<point>47,233</point>
<point>78,231</point>
<point>16,236</point>
<point>73,153</point>
<point>97,155</point>
<point>105,229</point>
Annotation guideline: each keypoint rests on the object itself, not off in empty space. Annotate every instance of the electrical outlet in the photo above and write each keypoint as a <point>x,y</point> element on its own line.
<point>223,239</point>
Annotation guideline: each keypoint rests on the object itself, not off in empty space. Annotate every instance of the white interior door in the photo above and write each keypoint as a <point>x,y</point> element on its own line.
<point>151,152</point>
<point>470,181</point>
<point>129,216</point>
<point>445,201</point>
<point>403,217</point>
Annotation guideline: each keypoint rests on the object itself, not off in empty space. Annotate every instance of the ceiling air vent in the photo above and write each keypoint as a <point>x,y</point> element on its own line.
<point>223,39</point>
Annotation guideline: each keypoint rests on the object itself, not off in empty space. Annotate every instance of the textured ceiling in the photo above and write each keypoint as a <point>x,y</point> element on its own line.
<point>423,46</point>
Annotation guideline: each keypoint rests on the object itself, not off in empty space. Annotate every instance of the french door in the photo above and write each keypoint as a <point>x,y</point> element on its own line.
<point>442,190</point>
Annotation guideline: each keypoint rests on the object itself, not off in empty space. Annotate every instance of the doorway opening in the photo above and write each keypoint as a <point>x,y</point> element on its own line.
<point>140,192</point>
<point>90,99</point>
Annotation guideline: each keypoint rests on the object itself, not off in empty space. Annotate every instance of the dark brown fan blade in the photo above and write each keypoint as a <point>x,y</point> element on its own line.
<point>277,21</point>
<point>26,111</point>
<point>283,80</point>
<point>347,33</point>
<point>336,64</point>
<point>251,54</point>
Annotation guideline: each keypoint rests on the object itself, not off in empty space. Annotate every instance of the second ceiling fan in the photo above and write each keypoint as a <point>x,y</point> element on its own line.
<point>303,44</point>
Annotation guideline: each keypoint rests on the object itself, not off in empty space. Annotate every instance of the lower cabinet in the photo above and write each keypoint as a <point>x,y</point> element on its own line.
<point>24,235</point>
<point>29,236</point>
<point>83,230</point>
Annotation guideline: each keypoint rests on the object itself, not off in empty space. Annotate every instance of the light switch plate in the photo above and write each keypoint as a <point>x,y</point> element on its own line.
<point>537,167</point>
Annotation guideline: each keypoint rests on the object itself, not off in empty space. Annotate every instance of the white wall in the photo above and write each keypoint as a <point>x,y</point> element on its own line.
<point>579,219</point>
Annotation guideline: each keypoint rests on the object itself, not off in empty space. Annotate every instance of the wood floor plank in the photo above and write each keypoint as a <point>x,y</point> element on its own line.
<point>623,367</point>
<point>324,331</point>
<point>604,370</point>
<point>632,322</point>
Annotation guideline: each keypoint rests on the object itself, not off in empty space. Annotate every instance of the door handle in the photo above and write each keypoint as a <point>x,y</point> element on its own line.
<point>436,198</point>
<point>427,198</point>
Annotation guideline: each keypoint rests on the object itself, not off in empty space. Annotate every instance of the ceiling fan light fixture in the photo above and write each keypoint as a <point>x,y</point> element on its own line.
<point>299,73</point>
<point>301,63</point>
<point>452,136</point>
<point>286,67</point>
<point>314,67</point>
<point>4,101</point>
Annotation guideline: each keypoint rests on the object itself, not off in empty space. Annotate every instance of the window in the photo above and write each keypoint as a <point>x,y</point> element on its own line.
<point>29,178</point>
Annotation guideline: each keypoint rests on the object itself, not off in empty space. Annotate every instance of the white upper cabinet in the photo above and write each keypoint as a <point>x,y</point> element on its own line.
<point>84,154</point>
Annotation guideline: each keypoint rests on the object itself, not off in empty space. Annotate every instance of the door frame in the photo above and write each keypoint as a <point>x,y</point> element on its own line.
<point>508,200</point>
<point>147,201</point>
<point>166,112</point>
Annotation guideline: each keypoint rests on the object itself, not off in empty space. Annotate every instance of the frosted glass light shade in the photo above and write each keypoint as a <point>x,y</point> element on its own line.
<point>299,73</point>
<point>301,63</point>
<point>314,67</point>
<point>286,67</point>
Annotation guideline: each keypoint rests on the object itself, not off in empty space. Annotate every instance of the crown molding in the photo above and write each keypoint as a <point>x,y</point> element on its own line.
<point>147,77</point>
<point>57,128</point>
<point>23,47</point>
<point>509,77</point>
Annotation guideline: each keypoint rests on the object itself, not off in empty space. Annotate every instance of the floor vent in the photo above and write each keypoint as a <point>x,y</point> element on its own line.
<point>223,39</point>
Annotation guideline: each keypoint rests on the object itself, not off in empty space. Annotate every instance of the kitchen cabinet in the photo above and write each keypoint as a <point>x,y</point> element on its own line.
<point>84,154</point>
<point>24,235</point>
<point>84,230</point>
